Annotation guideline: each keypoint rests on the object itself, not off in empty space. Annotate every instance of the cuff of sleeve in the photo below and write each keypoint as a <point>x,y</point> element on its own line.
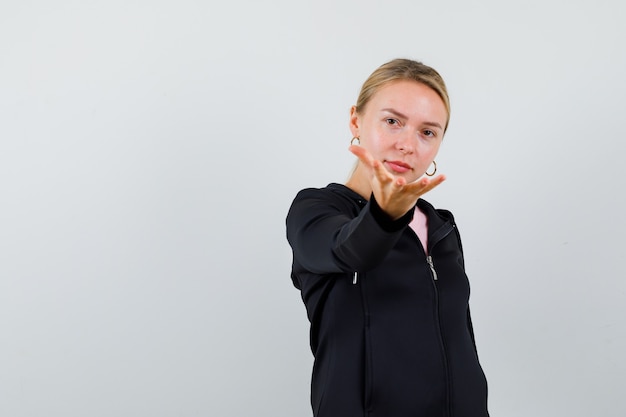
<point>385,222</point>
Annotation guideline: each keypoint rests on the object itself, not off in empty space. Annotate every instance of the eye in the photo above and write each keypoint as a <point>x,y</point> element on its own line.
<point>429,133</point>
<point>392,122</point>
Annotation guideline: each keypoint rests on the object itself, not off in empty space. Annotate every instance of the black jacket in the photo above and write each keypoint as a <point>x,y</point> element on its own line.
<point>391,334</point>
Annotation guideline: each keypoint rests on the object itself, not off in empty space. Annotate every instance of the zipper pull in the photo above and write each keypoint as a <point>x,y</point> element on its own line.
<point>356,274</point>
<point>429,259</point>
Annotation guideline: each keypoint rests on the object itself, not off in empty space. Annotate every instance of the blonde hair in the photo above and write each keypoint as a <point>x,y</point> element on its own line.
<point>403,69</point>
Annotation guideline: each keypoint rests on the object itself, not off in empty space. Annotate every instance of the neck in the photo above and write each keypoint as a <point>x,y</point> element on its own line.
<point>359,182</point>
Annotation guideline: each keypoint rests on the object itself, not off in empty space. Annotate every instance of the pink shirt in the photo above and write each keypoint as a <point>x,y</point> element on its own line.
<point>419,224</point>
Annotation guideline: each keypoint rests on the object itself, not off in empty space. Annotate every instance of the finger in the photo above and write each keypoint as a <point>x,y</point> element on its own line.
<point>363,155</point>
<point>381,172</point>
<point>424,185</point>
<point>434,183</point>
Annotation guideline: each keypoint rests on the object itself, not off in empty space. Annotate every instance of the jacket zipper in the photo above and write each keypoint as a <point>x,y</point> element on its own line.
<point>438,236</point>
<point>440,331</point>
<point>429,259</point>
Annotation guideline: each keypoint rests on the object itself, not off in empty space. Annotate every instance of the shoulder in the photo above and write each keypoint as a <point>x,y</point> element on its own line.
<point>332,190</point>
<point>311,192</point>
<point>429,209</point>
<point>331,195</point>
<point>443,217</point>
<point>313,204</point>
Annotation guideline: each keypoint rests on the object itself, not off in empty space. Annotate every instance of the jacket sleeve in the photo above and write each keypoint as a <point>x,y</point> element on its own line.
<point>328,236</point>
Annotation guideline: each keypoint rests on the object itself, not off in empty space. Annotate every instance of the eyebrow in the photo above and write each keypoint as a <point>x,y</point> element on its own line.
<point>398,114</point>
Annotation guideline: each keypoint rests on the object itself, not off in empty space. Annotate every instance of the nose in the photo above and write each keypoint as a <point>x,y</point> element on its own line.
<point>405,144</point>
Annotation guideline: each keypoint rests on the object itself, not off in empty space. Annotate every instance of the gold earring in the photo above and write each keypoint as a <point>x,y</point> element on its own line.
<point>430,174</point>
<point>358,141</point>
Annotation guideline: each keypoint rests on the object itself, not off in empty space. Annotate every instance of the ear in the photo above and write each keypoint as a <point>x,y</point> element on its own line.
<point>354,122</point>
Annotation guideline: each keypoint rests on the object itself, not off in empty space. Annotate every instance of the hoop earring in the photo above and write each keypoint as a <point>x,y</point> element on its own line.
<point>430,174</point>
<point>358,141</point>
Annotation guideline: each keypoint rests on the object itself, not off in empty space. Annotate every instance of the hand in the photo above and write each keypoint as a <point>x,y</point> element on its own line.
<point>393,194</point>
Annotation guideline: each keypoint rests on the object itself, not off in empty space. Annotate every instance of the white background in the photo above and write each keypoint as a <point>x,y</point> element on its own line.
<point>149,151</point>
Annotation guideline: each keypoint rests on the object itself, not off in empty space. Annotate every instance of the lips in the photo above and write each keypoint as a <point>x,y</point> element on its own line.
<point>398,166</point>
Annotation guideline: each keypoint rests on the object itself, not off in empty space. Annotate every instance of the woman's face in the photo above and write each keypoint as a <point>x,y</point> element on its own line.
<point>402,126</point>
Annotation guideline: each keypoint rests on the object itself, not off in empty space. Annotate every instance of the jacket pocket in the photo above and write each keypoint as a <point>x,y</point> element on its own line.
<point>368,371</point>
<point>368,356</point>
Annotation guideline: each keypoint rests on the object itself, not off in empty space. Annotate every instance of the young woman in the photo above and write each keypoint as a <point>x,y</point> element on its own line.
<point>381,271</point>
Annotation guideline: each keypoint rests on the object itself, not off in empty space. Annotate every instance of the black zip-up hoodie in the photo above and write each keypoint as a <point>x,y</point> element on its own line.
<point>390,326</point>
